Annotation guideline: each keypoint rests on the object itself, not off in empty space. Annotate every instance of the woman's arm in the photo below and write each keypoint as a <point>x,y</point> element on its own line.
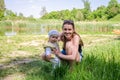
<point>76,40</point>
<point>70,56</point>
<point>71,49</point>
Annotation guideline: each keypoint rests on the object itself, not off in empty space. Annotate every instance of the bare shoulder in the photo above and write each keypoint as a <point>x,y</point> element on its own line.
<point>76,37</point>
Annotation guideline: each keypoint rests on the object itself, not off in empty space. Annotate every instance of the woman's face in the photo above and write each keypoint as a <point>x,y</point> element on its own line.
<point>68,31</point>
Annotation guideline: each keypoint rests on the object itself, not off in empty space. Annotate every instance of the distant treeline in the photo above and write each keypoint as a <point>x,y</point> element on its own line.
<point>86,14</point>
<point>101,13</point>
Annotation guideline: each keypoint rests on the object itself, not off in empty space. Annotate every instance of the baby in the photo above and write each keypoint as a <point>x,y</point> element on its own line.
<point>50,46</point>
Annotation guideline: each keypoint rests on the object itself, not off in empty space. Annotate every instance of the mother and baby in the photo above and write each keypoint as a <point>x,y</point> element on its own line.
<point>72,45</point>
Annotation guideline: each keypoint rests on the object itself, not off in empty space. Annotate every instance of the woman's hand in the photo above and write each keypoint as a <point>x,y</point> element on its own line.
<point>57,52</point>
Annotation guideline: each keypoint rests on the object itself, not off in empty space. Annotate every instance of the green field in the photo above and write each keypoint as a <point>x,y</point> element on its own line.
<point>20,54</point>
<point>20,59</point>
<point>23,33</point>
<point>43,26</point>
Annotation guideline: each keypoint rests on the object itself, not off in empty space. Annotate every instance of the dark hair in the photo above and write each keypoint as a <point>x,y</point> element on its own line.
<point>63,38</point>
<point>69,22</point>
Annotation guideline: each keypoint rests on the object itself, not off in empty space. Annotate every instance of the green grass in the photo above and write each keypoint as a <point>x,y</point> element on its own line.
<point>43,26</point>
<point>101,61</point>
<point>20,46</point>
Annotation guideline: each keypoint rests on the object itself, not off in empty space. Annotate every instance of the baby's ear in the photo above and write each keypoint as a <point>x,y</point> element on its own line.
<point>59,38</point>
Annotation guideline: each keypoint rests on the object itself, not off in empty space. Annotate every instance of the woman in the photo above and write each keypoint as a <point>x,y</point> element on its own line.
<point>72,43</point>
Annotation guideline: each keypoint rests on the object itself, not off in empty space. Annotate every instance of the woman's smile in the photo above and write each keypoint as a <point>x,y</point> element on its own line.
<point>68,31</point>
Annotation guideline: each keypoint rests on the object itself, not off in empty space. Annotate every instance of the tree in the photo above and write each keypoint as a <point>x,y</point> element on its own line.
<point>74,13</point>
<point>9,14</point>
<point>67,14</point>
<point>86,11</point>
<point>79,16</point>
<point>2,9</point>
<point>21,15</point>
<point>43,11</point>
<point>86,5</point>
<point>31,18</point>
<point>113,9</point>
<point>100,13</point>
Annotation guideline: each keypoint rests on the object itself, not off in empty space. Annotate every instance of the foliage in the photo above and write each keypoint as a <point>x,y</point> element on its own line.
<point>85,14</point>
<point>1,14</point>
<point>79,16</point>
<point>86,5</point>
<point>9,14</point>
<point>87,10</point>
<point>113,9</point>
<point>43,11</point>
<point>2,9</point>
<point>116,18</point>
<point>100,14</point>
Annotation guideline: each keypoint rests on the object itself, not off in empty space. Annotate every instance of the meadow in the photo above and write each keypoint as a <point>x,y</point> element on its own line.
<point>20,54</point>
<point>43,26</point>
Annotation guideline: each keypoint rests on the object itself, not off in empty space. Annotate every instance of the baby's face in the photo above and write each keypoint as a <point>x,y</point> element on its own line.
<point>53,38</point>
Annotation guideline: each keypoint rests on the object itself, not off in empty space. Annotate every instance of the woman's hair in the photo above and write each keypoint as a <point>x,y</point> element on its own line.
<point>68,22</point>
<point>63,38</point>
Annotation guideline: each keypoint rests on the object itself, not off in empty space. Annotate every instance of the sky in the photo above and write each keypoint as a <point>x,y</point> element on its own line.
<point>33,7</point>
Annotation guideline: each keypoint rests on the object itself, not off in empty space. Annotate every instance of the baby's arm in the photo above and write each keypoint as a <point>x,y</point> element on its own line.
<point>48,53</point>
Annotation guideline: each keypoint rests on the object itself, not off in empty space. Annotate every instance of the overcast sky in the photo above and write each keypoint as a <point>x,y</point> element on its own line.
<point>33,7</point>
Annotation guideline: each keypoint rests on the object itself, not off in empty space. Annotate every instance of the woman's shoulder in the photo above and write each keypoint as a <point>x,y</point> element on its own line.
<point>76,39</point>
<point>76,36</point>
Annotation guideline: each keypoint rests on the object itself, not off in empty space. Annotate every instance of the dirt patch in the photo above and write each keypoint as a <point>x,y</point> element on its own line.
<point>19,54</point>
<point>90,40</point>
<point>16,62</point>
<point>32,43</point>
<point>16,76</point>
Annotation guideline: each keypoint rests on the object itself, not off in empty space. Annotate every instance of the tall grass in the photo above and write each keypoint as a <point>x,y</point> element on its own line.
<point>100,62</point>
<point>43,26</point>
